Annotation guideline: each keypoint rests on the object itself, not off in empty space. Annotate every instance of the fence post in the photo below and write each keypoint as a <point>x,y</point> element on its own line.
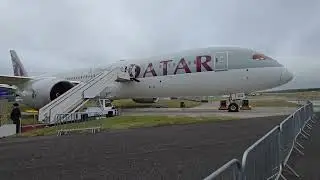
<point>231,171</point>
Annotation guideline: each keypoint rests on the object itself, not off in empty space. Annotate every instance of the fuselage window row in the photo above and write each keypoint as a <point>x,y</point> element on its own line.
<point>81,77</point>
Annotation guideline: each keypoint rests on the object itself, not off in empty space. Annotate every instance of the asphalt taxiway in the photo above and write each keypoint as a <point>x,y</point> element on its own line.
<point>171,152</point>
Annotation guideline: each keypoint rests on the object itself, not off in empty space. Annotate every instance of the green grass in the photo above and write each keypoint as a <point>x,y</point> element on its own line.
<point>126,122</point>
<point>297,95</point>
<point>27,120</point>
<point>5,114</point>
<point>125,104</point>
<point>271,103</point>
<point>128,103</point>
<point>23,107</point>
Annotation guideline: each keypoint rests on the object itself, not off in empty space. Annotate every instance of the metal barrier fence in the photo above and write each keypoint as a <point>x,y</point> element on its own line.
<point>231,170</point>
<point>70,117</point>
<point>261,160</point>
<point>268,157</point>
<point>80,123</point>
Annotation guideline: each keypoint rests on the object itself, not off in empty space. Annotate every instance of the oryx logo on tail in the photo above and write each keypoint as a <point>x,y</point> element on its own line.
<point>18,68</point>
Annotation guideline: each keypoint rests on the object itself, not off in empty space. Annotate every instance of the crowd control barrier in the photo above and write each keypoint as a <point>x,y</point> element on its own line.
<point>268,157</point>
<point>231,170</point>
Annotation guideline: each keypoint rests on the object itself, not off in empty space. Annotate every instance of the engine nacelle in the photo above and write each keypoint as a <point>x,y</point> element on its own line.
<point>145,100</point>
<point>38,93</point>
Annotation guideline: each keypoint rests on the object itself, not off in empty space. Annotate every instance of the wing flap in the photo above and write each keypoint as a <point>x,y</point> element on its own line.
<point>13,80</point>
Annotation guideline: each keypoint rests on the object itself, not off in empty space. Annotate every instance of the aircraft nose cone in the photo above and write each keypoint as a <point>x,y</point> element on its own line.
<point>286,76</point>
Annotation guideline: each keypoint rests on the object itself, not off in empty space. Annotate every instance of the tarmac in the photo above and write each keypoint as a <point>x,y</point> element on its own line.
<point>211,109</point>
<point>170,152</point>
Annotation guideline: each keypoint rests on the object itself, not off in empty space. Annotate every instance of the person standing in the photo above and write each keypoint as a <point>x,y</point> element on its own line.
<point>16,116</point>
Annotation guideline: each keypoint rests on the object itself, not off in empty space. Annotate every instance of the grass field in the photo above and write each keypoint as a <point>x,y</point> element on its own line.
<point>272,103</point>
<point>26,120</point>
<point>297,95</point>
<point>126,122</point>
<point>128,103</point>
<point>22,106</point>
<point>277,102</point>
<point>266,100</point>
<point>124,104</point>
<point>5,113</point>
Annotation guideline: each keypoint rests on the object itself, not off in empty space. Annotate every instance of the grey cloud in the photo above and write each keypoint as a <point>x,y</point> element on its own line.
<point>68,34</point>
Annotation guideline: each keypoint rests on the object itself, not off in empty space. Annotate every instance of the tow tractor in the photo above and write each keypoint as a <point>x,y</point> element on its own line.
<point>234,101</point>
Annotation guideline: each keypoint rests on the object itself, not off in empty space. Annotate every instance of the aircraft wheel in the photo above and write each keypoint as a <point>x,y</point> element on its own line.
<point>233,107</point>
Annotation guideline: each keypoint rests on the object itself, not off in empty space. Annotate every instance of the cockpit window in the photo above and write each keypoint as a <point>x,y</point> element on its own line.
<point>259,57</point>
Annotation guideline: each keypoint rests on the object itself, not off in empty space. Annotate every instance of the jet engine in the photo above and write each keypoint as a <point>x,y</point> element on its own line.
<point>145,100</point>
<point>38,93</point>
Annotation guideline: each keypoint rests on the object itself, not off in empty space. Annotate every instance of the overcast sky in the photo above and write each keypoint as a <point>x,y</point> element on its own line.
<point>68,34</point>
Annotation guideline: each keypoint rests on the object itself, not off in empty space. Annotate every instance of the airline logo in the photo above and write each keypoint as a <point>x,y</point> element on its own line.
<point>172,67</point>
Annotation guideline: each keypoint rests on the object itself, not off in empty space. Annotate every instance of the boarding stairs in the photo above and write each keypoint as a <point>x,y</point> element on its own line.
<point>77,96</point>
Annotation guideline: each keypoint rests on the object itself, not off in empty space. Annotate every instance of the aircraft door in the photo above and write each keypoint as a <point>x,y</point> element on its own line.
<point>221,61</point>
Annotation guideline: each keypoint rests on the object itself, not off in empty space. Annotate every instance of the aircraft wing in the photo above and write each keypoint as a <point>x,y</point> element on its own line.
<point>13,80</point>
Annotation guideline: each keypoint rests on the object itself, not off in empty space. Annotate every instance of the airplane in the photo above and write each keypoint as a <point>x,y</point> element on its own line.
<point>195,72</point>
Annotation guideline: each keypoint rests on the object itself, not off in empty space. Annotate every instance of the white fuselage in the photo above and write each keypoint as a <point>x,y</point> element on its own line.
<point>202,84</point>
<point>234,72</point>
